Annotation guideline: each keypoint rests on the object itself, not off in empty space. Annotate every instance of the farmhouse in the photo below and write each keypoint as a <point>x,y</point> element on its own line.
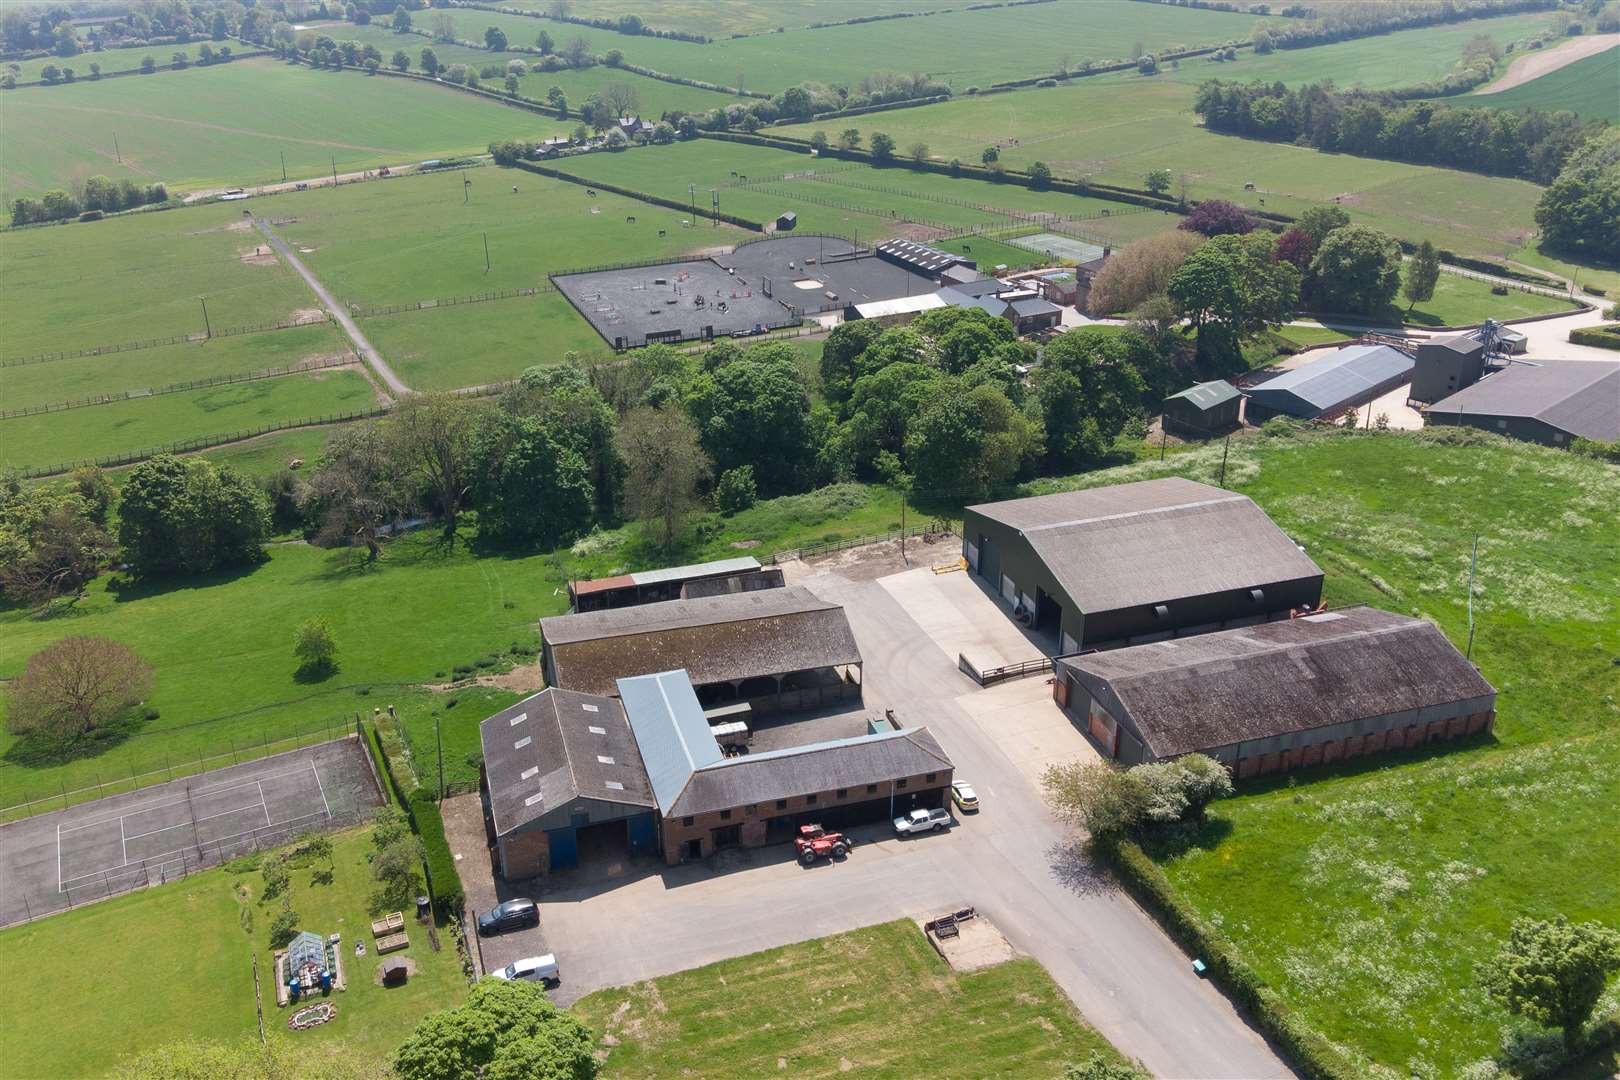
<point>644,772</point>
<point>1332,383</point>
<point>1202,410</point>
<point>1137,562</point>
<point>781,648</point>
<point>1546,401</point>
<point>560,766</point>
<point>650,586</point>
<point>1331,685</point>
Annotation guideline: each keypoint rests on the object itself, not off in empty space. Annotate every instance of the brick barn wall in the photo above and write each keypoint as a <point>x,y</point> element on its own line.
<point>1331,749</point>
<point>525,855</point>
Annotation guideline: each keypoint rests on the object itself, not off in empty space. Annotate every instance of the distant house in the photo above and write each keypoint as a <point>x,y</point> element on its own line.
<point>1022,307</point>
<point>1085,273</point>
<point>633,126</point>
<point>1326,686</point>
<point>1333,382</point>
<point>1546,401</point>
<point>1209,408</point>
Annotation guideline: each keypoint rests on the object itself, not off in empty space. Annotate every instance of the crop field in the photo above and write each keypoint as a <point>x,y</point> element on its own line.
<point>116,60</point>
<point>142,423</point>
<point>1011,1014</point>
<point>1007,43</point>
<point>1379,62</point>
<point>1117,128</point>
<point>723,18</point>
<point>231,123</point>
<point>1586,87</point>
<point>140,277</point>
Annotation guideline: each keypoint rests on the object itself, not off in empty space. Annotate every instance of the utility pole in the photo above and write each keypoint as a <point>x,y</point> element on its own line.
<point>691,193</point>
<point>116,152</point>
<point>208,330</point>
<point>1161,436</point>
<point>1226,446</point>
<point>334,172</point>
<point>466,189</point>
<point>486,253</point>
<point>902,524</point>
<point>284,166</point>
<point>1473,560</point>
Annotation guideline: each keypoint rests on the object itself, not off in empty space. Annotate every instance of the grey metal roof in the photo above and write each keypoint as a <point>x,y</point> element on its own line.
<point>802,770</point>
<point>1034,305</point>
<point>548,750</point>
<point>670,729</point>
<point>982,286</point>
<point>1460,343</point>
<point>1207,395</point>
<point>1580,397</point>
<point>899,305</point>
<point>1152,542</point>
<point>919,255</point>
<point>696,570</point>
<point>1217,689</point>
<point>1333,380</point>
<point>714,638</point>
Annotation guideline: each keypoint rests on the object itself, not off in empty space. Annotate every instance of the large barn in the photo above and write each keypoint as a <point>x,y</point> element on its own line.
<point>1137,562</point>
<point>1333,382</point>
<point>1331,685</point>
<point>1547,401</point>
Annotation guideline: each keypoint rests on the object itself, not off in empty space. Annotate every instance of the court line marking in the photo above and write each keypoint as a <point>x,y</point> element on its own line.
<point>59,856</point>
<point>150,859</point>
<point>198,821</point>
<point>322,788</point>
<point>123,842</point>
<point>195,794</point>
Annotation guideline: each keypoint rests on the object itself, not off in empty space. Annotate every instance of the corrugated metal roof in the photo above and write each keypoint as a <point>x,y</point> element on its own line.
<point>801,770</point>
<point>696,570</point>
<point>921,256</point>
<point>548,750</point>
<point>1152,542</point>
<point>1333,380</point>
<point>1207,395</point>
<point>1581,397</point>
<point>671,731</point>
<point>1034,305</point>
<point>1216,689</point>
<point>1458,343</point>
<point>900,305</point>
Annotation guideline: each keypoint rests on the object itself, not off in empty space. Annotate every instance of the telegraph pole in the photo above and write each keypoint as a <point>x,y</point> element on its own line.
<point>116,152</point>
<point>334,172</point>
<point>1473,559</point>
<point>1226,446</point>
<point>486,253</point>
<point>466,190</point>
<point>439,742</point>
<point>284,166</point>
<point>208,330</point>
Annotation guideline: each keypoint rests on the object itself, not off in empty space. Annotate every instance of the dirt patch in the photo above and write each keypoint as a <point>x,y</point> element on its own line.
<point>744,545</point>
<point>1347,198</point>
<point>410,971</point>
<point>523,679</point>
<point>1543,61</point>
<point>918,233</point>
<point>239,226</point>
<point>977,944</point>
<point>306,314</point>
<point>261,255</point>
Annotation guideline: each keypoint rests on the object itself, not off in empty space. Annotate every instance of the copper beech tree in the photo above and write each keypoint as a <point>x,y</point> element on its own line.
<point>75,686</point>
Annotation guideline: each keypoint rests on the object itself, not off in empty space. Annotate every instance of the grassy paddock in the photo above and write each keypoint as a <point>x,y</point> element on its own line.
<point>722,18</point>
<point>231,123</point>
<point>143,423</point>
<point>830,1006</point>
<point>116,60</point>
<point>476,344</point>
<point>185,944</point>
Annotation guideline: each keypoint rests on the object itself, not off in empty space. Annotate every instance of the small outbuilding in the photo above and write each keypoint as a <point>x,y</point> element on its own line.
<point>1198,412</point>
<point>1445,365</point>
<point>786,220</point>
<point>1333,382</point>
<point>651,586</point>
<point>1304,691</point>
<point>1553,402</point>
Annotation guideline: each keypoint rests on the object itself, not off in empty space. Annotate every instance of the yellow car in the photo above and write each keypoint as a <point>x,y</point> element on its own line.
<point>963,795</point>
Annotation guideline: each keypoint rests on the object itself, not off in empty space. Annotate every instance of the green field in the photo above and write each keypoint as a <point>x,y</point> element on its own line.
<point>1590,87</point>
<point>1466,301</point>
<point>723,18</point>
<point>181,954</point>
<point>232,123</point>
<point>144,423</point>
<point>1364,895</point>
<point>138,278</point>
<point>410,618</point>
<point>858,985</point>
<point>1118,128</point>
<point>1007,43</point>
<point>116,60</point>
<point>476,344</point>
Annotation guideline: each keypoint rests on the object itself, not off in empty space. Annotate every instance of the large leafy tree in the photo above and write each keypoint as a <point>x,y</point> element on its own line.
<point>970,441</point>
<point>1140,271</point>
<point>1580,212</point>
<point>1553,971</point>
<point>1229,289</point>
<point>1086,389</point>
<point>51,544</point>
<point>664,466</point>
<point>1356,270</point>
<point>190,516</point>
<point>74,686</point>
<point>755,411</point>
<point>530,485</point>
<point>431,436</point>
<point>566,399</point>
<point>1422,275</point>
<point>840,354</point>
<point>503,1031</point>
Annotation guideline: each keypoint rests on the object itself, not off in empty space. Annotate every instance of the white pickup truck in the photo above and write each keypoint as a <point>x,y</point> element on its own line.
<point>921,821</point>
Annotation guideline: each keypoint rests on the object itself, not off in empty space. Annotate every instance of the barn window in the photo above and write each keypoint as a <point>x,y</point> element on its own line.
<point>1257,595</point>
<point>1161,611</point>
<point>843,793</point>
<point>725,815</point>
<point>781,804</point>
<point>900,785</point>
<point>871,789</point>
<point>810,800</point>
<point>930,777</point>
<point>686,821</point>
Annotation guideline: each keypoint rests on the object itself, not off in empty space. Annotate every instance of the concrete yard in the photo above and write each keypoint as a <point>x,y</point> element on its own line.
<point>959,615</point>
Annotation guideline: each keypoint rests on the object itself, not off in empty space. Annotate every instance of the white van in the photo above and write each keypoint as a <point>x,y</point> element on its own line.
<point>541,969</point>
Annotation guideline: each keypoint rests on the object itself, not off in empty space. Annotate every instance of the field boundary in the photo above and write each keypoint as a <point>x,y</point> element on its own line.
<point>180,387</point>
<point>178,339</point>
<point>369,311</point>
<point>258,50</point>
<point>640,196</point>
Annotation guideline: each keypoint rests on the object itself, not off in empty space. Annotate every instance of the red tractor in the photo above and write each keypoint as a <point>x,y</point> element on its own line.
<point>814,842</point>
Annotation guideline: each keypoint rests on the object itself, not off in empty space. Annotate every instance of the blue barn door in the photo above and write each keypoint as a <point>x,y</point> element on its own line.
<point>564,848</point>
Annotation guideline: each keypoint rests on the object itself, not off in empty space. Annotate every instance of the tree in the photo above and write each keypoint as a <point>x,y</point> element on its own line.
<point>511,84</point>
<point>849,139</point>
<point>1229,289</point>
<point>1356,271</point>
<point>665,465</point>
<point>396,864</point>
<point>544,43</point>
<point>578,53</point>
<point>918,152</point>
<point>1217,217</point>
<point>532,486</point>
<point>1579,213</point>
<point>430,61</point>
<point>148,65</point>
<point>818,142</point>
<point>1553,971</point>
<point>401,60</point>
<point>1086,391</point>
<point>1095,796</point>
<point>970,441</point>
<point>1422,274</point>
<point>621,98</point>
<point>51,546</point>
<point>314,646</point>
<point>736,490</point>
<point>190,517</point>
<point>504,1030</point>
<point>1139,271</point>
<point>1296,246</point>
<point>356,489</point>
<point>1317,221</point>
<point>882,148</point>
<point>755,411</point>
<point>495,39</point>
<point>402,19</point>
<point>75,686</point>
<point>1157,181</point>
<point>613,57</point>
<point>990,156</point>
<point>219,29</point>
<point>1040,175</point>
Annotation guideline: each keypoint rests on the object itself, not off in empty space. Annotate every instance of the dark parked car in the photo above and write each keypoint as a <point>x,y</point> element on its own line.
<point>517,914</point>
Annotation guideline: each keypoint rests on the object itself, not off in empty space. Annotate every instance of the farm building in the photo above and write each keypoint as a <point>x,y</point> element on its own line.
<point>1085,273</point>
<point>1060,287</point>
<point>787,220</point>
<point>1445,365</point>
<point>1205,409</point>
<point>896,311</point>
<point>707,800</point>
<point>1335,684</point>
<point>780,648</point>
<point>560,768</point>
<point>766,577</point>
<point>1335,381</point>
<point>650,586</point>
<point>930,262</point>
<point>1137,562</point>
<point>1022,307</point>
<point>1546,401</point>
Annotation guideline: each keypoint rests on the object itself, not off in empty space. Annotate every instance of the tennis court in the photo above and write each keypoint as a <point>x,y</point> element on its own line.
<point>1057,246</point>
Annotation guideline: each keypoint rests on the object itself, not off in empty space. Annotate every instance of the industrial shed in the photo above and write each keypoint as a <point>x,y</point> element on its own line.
<point>651,586</point>
<point>1206,409</point>
<point>1445,365</point>
<point>1137,562</point>
<point>779,648</point>
<point>930,262</point>
<point>562,769</point>
<point>1288,694</point>
<point>1546,401</point>
<point>707,801</point>
<point>1338,380</point>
